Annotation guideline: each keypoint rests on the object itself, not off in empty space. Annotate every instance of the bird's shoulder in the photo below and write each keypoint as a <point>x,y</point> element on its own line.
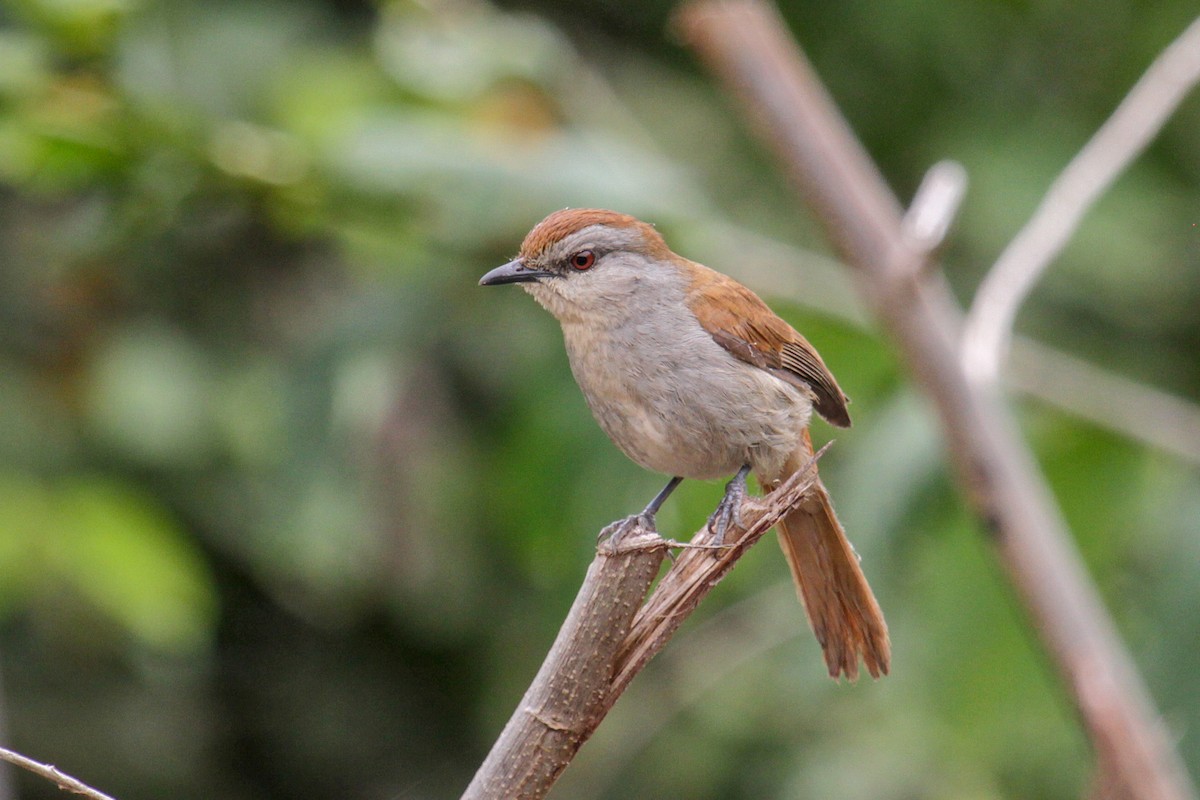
<point>744,325</point>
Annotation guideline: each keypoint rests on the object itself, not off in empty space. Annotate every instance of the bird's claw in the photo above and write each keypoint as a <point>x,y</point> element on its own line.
<point>729,511</point>
<point>615,532</point>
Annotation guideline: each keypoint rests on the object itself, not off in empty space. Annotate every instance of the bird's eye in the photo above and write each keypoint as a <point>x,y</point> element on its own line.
<point>583,260</point>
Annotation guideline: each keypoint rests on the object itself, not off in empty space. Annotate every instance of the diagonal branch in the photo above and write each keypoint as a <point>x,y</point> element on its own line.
<point>609,636</point>
<point>52,774</point>
<point>1137,120</point>
<point>747,45</point>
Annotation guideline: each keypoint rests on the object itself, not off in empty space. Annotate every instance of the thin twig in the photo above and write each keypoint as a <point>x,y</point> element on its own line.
<point>608,637</point>
<point>1157,418</point>
<point>747,45</point>
<point>53,774</point>
<point>1136,121</point>
<point>935,205</point>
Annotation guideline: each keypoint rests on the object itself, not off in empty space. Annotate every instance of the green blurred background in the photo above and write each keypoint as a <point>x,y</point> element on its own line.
<point>289,508</point>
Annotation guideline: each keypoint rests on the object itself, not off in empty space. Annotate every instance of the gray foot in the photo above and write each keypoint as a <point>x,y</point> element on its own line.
<point>729,511</point>
<point>618,530</point>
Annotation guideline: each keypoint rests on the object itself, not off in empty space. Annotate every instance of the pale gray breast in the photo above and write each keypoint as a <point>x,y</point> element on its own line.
<point>676,402</point>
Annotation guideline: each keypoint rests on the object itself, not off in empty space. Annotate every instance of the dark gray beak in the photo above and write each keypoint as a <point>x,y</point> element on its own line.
<point>513,272</point>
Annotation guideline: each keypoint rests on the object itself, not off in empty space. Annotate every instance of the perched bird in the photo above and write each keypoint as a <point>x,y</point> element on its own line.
<point>692,375</point>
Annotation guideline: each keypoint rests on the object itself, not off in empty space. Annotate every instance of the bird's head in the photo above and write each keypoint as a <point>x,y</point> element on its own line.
<point>581,261</point>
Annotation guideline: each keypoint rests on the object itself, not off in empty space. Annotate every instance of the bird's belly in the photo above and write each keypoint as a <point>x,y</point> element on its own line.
<point>697,420</point>
<point>671,440</point>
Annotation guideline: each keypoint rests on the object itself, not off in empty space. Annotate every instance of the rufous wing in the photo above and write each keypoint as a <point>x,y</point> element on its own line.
<point>745,326</point>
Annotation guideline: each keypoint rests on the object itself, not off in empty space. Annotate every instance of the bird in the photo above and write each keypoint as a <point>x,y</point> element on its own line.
<point>693,376</point>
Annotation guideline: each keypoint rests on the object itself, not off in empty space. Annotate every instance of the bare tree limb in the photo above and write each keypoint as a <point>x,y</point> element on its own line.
<point>747,45</point>
<point>53,774</point>
<point>1136,121</point>
<point>560,709</point>
<point>608,637</point>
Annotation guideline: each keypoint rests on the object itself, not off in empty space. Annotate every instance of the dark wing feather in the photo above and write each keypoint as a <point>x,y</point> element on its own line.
<point>802,359</point>
<point>725,309</point>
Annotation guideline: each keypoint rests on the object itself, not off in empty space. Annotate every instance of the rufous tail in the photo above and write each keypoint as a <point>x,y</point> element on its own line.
<point>840,605</point>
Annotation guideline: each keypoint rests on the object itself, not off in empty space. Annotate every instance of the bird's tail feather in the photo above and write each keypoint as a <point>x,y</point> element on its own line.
<point>840,605</point>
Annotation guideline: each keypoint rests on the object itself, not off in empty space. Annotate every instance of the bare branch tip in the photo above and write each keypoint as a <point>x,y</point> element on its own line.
<point>53,774</point>
<point>935,205</point>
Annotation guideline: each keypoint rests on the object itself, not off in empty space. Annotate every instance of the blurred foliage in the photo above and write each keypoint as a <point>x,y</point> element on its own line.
<point>292,509</point>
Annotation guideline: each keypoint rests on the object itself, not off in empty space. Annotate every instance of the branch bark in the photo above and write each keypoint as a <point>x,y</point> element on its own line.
<point>608,637</point>
<point>747,45</point>
<point>52,774</point>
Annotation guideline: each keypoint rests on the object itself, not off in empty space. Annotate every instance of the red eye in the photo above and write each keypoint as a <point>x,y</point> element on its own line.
<point>583,260</point>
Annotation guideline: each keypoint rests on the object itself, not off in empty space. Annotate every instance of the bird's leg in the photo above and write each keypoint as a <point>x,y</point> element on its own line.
<point>617,530</point>
<point>729,510</point>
